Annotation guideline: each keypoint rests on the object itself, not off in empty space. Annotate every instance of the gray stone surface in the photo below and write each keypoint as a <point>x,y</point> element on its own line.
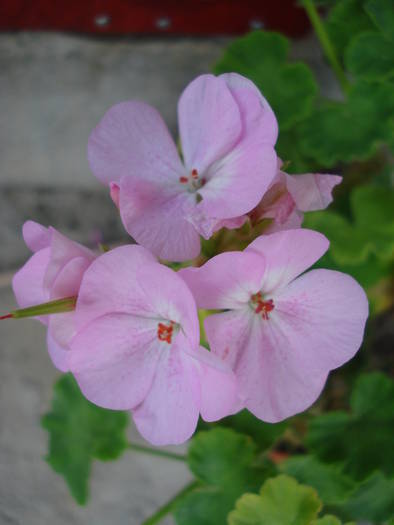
<point>86,215</point>
<point>55,88</point>
<point>122,492</point>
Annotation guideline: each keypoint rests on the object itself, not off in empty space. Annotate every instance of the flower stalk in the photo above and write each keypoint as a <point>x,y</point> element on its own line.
<point>169,506</point>
<point>326,44</point>
<point>58,306</point>
<point>156,452</point>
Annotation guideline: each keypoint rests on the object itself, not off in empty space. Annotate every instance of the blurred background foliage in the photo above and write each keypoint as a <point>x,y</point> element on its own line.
<point>338,457</point>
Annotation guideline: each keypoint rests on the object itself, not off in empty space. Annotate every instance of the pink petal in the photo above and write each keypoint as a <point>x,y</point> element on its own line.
<point>132,139</point>
<point>62,328</point>
<point>36,236</point>
<point>114,191</point>
<point>169,413</point>
<point>231,224</point>
<point>129,280</point>
<point>59,354</point>
<point>114,359</point>
<point>293,222</point>
<point>225,281</point>
<point>108,284</point>
<point>323,313</point>
<point>63,250</point>
<point>68,280</point>
<point>312,191</point>
<point>261,119</point>
<point>237,182</point>
<point>287,254</point>
<point>28,282</point>
<point>277,203</point>
<point>228,333</point>
<point>156,219</point>
<point>209,121</point>
<point>272,381</point>
<point>269,382</point>
<point>282,363</point>
<point>218,386</point>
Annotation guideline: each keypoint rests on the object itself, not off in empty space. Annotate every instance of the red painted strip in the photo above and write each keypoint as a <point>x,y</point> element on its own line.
<point>194,17</point>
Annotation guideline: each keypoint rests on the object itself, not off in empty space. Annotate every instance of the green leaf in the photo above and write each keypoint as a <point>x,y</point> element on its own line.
<point>360,441</point>
<point>372,208</point>
<point>346,20</point>
<point>328,520</point>
<point>290,88</point>
<point>348,244</point>
<point>263,434</point>
<point>351,130</point>
<point>211,457</point>
<point>227,465</point>
<point>282,501</point>
<point>372,230</point>
<point>382,13</point>
<point>288,149</point>
<point>371,56</point>
<point>79,432</point>
<point>372,500</point>
<point>331,484</point>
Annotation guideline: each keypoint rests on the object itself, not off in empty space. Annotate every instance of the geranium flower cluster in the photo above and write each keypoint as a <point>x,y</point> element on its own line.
<point>133,340</point>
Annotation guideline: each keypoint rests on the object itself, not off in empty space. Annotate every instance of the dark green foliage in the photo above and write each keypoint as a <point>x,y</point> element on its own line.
<point>263,434</point>
<point>360,442</point>
<point>80,432</point>
<point>351,130</point>
<point>227,465</point>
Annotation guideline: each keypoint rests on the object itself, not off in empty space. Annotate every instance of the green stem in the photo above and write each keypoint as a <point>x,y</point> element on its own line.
<point>157,452</point>
<point>168,507</point>
<point>326,44</point>
<point>66,304</point>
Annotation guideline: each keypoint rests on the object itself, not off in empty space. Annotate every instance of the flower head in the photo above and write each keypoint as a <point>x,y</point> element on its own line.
<point>289,196</point>
<point>54,271</point>
<point>227,132</point>
<point>137,348</point>
<point>281,332</point>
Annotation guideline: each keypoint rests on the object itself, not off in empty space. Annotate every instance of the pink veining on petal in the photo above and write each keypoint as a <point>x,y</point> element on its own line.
<point>227,132</point>
<point>283,339</point>
<point>136,347</point>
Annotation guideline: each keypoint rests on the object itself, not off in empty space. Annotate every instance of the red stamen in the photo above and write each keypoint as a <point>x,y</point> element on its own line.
<point>8,316</point>
<point>184,180</point>
<point>194,174</point>
<point>164,332</point>
<point>263,307</point>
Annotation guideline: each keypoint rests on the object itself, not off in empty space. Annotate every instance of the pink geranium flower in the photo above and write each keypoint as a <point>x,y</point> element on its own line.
<point>227,132</point>
<point>54,271</point>
<point>137,348</point>
<point>282,332</point>
<point>289,196</point>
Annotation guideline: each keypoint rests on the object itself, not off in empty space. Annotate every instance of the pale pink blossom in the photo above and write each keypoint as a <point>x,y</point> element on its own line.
<point>137,348</point>
<point>281,332</point>
<point>227,133</point>
<point>289,196</point>
<point>54,271</point>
